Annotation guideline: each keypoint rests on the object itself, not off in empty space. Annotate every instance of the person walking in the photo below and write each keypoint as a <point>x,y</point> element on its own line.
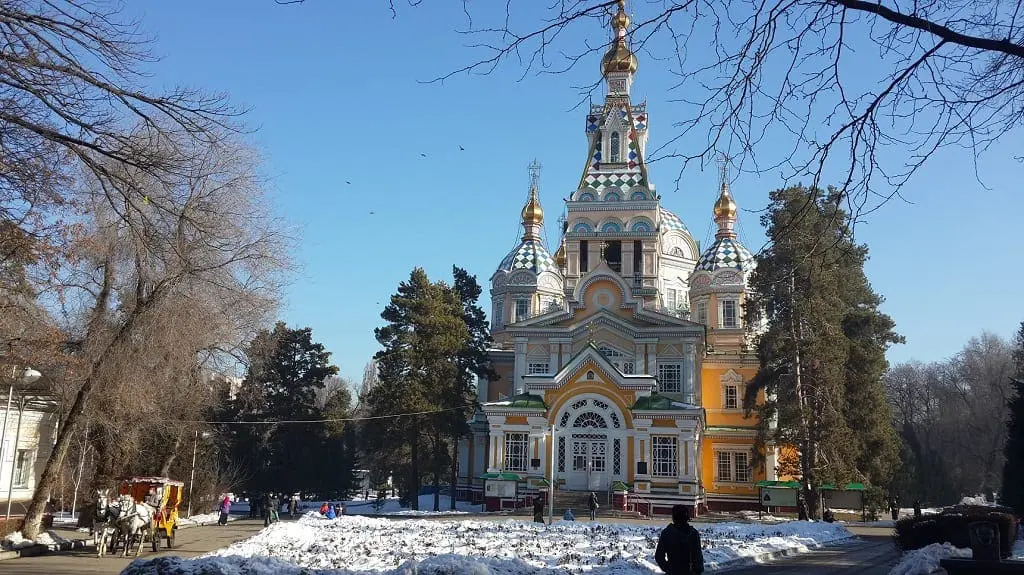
<point>678,551</point>
<point>592,506</point>
<point>568,516</point>
<point>293,506</point>
<point>225,509</point>
<point>330,512</point>
<point>917,509</point>
<point>538,509</point>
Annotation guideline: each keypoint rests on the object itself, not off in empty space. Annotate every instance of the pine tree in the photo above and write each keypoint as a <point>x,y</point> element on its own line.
<point>425,331</point>
<point>822,355</point>
<point>1013,469</point>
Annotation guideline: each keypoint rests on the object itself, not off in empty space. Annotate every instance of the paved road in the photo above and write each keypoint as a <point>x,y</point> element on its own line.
<point>871,554</point>
<point>188,543</point>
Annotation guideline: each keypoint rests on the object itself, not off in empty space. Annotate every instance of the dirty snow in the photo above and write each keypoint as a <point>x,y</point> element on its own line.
<point>203,519</point>
<point>353,544</point>
<point>17,541</point>
<point>926,559</point>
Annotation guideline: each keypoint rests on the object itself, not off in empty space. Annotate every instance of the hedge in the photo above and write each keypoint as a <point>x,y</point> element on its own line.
<point>951,527</point>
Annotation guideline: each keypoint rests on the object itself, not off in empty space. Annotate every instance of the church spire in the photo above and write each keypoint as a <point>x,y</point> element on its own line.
<point>619,63</point>
<point>533,214</point>
<point>725,208</point>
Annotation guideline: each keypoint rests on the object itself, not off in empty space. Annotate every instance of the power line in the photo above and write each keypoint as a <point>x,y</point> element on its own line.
<point>329,420</point>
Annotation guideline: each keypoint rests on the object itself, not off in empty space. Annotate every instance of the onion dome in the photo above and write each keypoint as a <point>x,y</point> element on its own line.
<point>619,58</point>
<point>670,221</point>
<point>532,212</point>
<point>528,255</point>
<point>727,251</point>
<point>560,255</point>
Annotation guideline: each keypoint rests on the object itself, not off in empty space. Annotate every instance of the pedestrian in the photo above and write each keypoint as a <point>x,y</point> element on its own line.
<point>917,509</point>
<point>338,510</point>
<point>801,507</point>
<point>330,512</point>
<point>592,506</point>
<point>225,509</point>
<point>275,508</point>
<point>538,509</point>
<point>255,507</point>
<point>324,508</point>
<point>267,506</point>
<point>678,551</point>
<point>894,507</point>
<point>568,516</point>
<point>293,506</point>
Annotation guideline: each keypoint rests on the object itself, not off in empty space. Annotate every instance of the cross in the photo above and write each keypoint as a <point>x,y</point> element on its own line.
<point>723,168</point>
<point>534,168</point>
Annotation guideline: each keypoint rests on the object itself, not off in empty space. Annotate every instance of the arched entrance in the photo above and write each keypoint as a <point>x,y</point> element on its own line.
<point>591,444</point>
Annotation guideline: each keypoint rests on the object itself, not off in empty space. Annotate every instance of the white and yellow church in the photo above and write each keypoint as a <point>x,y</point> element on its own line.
<point>628,343</point>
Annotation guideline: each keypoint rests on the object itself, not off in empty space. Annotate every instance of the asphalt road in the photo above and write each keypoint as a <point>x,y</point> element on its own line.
<point>872,553</point>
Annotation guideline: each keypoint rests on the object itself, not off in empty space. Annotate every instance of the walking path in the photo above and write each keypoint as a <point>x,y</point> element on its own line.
<point>187,543</point>
<point>872,553</point>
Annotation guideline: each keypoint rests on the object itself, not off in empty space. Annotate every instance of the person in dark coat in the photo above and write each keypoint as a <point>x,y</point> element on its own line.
<point>679,551</point>
<point>293,507</point>
<point>894,508</point>
<point>917,509</point>
<point>225,510</point>
<point>801,507</point>
<point>538,509</point>
<point>592,506</point>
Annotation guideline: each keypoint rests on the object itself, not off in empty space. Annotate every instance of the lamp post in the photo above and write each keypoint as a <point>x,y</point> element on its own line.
<point>551,484</point>
<point>192,475</point>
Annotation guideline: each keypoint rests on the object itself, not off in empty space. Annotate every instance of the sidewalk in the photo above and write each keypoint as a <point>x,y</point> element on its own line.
<point>188,543</point>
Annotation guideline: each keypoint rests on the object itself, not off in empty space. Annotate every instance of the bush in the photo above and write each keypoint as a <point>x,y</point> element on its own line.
<point>951,527</point>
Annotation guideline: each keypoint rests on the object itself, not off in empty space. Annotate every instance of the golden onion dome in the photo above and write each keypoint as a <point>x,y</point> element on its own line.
<point>619,58</point>
<point>560,255</point>
<point>532,212</point>
<point>725,207</point>
<point>620,20</point>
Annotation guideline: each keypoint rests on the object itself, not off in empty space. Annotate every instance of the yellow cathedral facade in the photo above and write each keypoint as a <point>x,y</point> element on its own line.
<point>622,359</point>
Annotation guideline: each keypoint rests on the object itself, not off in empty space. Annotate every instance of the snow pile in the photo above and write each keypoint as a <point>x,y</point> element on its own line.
<point>511,547</point>
<point>764,517</point>
<point>976,500</point>
<point>17,541</point>
<point>391,506</point>
<point>204,519</point>
<point>926,559</point>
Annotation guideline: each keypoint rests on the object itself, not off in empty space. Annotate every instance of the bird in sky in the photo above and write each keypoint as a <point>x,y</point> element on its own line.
<point>348,182</point>
<point>371,213</point>
<point>423,155</point>
<point>461,149</point>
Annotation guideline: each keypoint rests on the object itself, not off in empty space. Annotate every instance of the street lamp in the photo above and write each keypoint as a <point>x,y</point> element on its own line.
<point>28,377</point>
<point>192,476</point>
<point>551,474</point>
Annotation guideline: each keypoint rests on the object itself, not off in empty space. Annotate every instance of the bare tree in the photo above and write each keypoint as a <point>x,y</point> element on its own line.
<point>194,266</point>
<point>865,91</point>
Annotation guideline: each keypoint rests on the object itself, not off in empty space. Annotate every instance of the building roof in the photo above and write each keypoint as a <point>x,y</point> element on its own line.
<point>521,401</point>
<point>655,402</point>
<point>528,255</point>
<point>726,253</point>
<point>670,221</point>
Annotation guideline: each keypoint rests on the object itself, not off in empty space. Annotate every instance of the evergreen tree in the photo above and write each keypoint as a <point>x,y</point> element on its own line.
<point>424,333</point>
<point>1013,469</point>
<point>285,370</point>
<point>822,355</point>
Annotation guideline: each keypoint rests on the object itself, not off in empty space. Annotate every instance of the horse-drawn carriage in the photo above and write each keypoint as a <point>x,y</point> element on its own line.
<point>164,496</point>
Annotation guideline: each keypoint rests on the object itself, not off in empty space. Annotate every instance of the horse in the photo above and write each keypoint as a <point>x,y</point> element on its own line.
<point>136,520</point>
<point>104,522</point>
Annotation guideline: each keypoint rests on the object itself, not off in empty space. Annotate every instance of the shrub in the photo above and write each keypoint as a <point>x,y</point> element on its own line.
<point>951,527</point>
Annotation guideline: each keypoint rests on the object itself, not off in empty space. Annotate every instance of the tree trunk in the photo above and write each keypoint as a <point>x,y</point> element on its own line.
<point>414,479</point>
<point>454,470</point>
<point>165,469</point>
<point>438,470</point>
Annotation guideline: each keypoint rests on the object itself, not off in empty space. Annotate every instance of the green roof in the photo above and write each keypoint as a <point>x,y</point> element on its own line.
<point>523,400</point>
<point>505,476</point>
<point>620,486</point>
<point>778,484</point>
<point>656,402</point>
<point>796,485</point>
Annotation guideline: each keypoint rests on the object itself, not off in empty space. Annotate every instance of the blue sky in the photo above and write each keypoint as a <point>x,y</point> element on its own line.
<point>338,95</point>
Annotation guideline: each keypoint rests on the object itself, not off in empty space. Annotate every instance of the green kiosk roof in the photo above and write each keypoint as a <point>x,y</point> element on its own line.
<point>825,487</point>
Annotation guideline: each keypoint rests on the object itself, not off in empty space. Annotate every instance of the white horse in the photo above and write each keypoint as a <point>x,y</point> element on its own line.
<point>104,518</point>
<point>135,521</point>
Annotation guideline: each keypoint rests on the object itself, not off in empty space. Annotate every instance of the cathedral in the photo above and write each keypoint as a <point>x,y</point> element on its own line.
<point>622,358</point>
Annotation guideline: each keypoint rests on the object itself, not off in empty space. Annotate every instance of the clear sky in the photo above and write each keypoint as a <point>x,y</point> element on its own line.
<point>344,116</point>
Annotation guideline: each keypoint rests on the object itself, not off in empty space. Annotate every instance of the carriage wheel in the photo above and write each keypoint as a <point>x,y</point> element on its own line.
<point>170,541</point>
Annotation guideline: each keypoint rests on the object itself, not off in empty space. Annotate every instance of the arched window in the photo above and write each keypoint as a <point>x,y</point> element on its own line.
<point>641,226</point>
<point>612,197</point>
<point>610,227</point>
<point>581,227</point>
<point>590,419</point>
<point>638,195</point>
<point>586,197</point>
<point>613,154</point>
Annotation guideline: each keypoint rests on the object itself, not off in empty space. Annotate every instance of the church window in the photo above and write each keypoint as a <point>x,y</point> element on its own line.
<point>669,377</point>
<point>724,466</point>
<point>515,451</point>
<point>730,314</point>
<point>612,197</point>
<point>616,456</point>
<point>672,300</point>
<point>638,195</point>
<point>590,375</point>
<point>641,226</point>
<point>615,150</point>
<point>663,456</point>
<point>638,257</point>
<point>615,420</point>
<point>732,397</point>
<point>702,312</point>
<point>584,257</point>
<point>590,419</point>
<point>733,466</point>
<point>581,228</point>
<point>522,309</point>
<point>499,310</point>
<point>561,455</point>
<point>537,367</point>
<point>564,422</point>
<point>628,368</point>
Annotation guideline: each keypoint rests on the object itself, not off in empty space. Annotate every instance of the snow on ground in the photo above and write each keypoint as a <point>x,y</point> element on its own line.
<point>391,506</point>
<point>16,541</point>
<point>353,544</point>
<point>204,519</point>
<point>926,559</point>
